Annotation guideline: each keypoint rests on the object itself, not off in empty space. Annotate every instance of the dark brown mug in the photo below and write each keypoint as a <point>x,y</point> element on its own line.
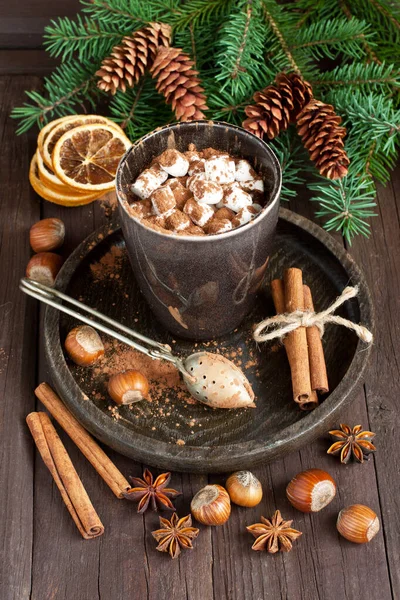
<point>200,287</point>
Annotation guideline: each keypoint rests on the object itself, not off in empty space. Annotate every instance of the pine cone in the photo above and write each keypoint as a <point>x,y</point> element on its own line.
<point>318,126</point>
<point>277,105</point>
<point>129,60</point>
<point>179,83</point>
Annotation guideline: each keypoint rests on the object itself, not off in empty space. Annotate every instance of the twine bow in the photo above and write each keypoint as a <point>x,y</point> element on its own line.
<point>285,323</point>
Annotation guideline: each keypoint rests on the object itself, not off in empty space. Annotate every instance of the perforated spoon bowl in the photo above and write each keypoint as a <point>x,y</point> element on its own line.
<point>210,378</point>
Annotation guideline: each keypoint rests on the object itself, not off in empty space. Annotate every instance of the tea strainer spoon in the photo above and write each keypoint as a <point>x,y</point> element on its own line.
<point>210,378</point>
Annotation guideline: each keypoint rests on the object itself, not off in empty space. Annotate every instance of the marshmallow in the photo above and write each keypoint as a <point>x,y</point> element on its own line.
<point>220,169</point>
<point>244,171</point>
<point>174,163</point>
<point>148,181</point>
<point>218,226</point>
<point>256,185</point>
<point>181,193</point>
<point>194,230</point>
<point>157,222</point>
<point>245,215</point>
<point>163,201</point>
<point>235,198</point>
<point>224,213</point>
<point>196,166</point>
<point>212,153</point>
<point>190,180</point>
<point>192,156</point>
<point>142,209</point>
<point>207,192</point>
<point>199,213</point>
<point>177,221</point>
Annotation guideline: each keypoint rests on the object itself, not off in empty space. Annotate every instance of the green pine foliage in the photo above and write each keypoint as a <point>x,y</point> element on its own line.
<point>347,50</point>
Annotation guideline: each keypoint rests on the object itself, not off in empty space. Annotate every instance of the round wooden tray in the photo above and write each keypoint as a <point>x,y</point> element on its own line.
<point>171,431</point>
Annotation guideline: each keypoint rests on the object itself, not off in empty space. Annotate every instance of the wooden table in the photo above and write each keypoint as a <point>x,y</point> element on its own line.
<point>42,555</point>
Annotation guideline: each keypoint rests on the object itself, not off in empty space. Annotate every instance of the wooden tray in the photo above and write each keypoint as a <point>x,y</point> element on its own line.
<point>171,431</point>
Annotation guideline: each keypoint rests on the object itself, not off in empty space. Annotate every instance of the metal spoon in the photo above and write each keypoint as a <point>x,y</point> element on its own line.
<point>210,378</point>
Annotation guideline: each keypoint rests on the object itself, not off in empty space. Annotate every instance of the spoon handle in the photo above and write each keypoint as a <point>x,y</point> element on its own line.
<point>60,301</point>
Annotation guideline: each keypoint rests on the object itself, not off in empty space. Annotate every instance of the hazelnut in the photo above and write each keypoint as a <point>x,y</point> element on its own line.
<point>46,235</point>
<point>128,387</point>
<point>244,488</point>
<point>211,505</point>
<point>44,267</point>
<point>311,490</point>
<point>84,346</point>
<point>357,523</point>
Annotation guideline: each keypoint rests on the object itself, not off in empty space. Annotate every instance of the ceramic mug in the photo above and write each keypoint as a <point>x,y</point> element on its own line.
<point>200,287</point>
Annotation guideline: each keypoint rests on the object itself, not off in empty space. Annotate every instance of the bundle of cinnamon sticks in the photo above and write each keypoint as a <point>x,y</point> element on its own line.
<point>57,460</point>
<point>303,345</point>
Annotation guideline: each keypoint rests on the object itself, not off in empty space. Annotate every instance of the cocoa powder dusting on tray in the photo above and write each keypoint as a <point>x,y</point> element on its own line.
<point>109,265</point>
<point>163,376</point>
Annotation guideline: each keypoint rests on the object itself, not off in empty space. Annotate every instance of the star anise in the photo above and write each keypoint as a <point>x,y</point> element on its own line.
<point>273,535</point>
<point>175,534</point>
<point>147,491</point>
<point>351,442</point>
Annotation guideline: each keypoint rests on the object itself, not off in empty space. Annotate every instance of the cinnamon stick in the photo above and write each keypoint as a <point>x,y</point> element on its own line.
<point>296,345</point>
<point>95,455</point>
<point>298,359</point>
<point>318,374</point>
<point>58,462</point>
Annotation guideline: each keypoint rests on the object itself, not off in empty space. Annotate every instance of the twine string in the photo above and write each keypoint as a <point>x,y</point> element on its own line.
<point>282,324</point>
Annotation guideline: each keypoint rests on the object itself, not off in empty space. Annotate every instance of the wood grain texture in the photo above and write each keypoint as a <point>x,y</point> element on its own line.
<point>380,256</point>
<point>18,328</point>
<point>43,557</point>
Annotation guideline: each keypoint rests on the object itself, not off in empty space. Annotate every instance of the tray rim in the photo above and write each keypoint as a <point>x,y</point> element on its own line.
<point>206,459</point>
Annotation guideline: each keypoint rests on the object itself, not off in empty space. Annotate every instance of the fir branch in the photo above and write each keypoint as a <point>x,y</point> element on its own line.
<point>386,12</point>
<point>293,160</point>
<point>370,53</point>
<point>241,48</point>
<point>140,110</point>
<point>347,203</point>
<point>374,132</point>
<point>85,37</point>
<point>120,12</point>
<point>199,13</point>
<point>372,76</point>
<point>71,84</point>
<point>243,42</point>
<point>269,8</point>
<point>329,37</point>
<point>225,108</point>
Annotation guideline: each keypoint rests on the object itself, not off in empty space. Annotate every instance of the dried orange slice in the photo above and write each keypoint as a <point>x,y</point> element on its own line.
<point>44,132</point>
<point>70,198</point>
<point>50,180</point>
<point>87,157</point>
<point>70,123</point>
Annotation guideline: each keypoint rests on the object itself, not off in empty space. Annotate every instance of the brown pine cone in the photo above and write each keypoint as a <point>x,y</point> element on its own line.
<point>179,83</point>
<point>277,105</point>
<point>129,60</point>
<point>319,128</point>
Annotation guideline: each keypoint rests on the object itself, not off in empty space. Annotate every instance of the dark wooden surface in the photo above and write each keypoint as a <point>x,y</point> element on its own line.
<point>43,557</point>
